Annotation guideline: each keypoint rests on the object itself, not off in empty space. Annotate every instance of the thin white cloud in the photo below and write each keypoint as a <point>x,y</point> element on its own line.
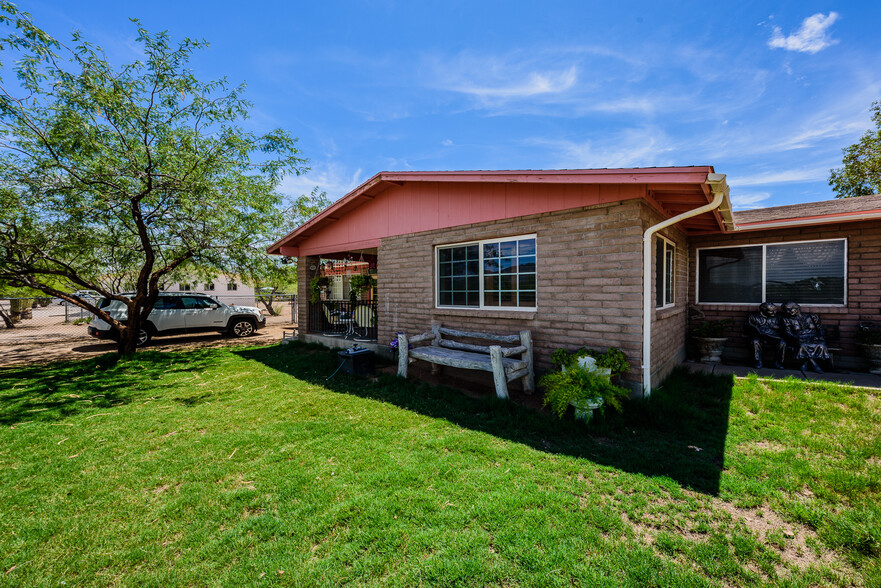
<point>535,83</point>
<point>811,37</point>
<point>789,176</point>
<point>746,201</point>
<point>330,177</point>
<point>637,147</point>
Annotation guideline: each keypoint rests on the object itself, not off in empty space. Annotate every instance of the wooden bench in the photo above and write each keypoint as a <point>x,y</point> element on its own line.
<point>491,358</point>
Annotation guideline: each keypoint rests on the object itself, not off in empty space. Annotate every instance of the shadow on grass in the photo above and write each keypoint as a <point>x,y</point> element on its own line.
<point>678,433</point>
<point>59,390</point>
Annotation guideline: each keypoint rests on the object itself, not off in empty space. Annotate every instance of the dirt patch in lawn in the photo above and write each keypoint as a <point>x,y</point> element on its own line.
<point>38,348</point>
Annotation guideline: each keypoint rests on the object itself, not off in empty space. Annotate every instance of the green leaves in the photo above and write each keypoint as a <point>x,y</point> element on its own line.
<point>861,173</point>
<point>117,175</point>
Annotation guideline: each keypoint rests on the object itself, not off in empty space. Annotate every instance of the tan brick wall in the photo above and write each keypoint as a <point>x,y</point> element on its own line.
<point>863,283</point>
<point>589,277</point>
<point>668,324</point>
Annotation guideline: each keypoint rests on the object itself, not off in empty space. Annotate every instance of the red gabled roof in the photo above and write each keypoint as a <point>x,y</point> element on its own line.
<point>670,190</point>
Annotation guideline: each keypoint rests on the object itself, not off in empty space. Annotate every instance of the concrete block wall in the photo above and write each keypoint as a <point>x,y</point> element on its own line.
<point>863,284</point>
<point>668,324</point>
<point>589,274</point>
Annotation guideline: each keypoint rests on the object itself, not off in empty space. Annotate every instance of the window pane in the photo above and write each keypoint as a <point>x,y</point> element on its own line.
<point>508,298</point>
<point>458,279</point>
<point>527,299</point>
<point>527,281</point>
<point>526,247</point>
<point>668,276</point>
<point>491,298</point>
<point>507,265</point>
<point>508,283</point>
<point>491,267</point>
<point>527,264</point>
<point>508,248</point>
<point>807,273</point>
<point>490,250</point>
<point>491,282</point>
<point>730,274</point>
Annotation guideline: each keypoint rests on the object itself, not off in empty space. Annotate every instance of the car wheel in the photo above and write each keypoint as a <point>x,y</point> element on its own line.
<point>144,337</point>
<point>242,328</point>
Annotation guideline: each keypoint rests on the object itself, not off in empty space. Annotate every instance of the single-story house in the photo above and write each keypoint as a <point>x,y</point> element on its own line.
<point>596,258</point>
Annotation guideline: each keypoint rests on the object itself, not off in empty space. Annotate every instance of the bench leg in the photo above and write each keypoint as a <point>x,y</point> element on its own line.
<point>403,355</point>
<point>437,369</point>
<point>495,356</point>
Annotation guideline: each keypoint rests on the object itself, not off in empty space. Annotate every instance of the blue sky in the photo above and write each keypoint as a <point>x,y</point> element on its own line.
<point>768,93</point>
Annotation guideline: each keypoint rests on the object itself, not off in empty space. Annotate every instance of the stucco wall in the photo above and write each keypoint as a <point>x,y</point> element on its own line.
<point>863,284</point>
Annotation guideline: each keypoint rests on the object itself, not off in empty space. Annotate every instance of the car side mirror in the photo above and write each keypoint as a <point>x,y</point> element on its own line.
<point>213,306</point>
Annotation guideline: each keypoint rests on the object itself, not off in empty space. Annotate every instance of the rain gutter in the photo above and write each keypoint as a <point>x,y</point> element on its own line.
<point>719,188</point>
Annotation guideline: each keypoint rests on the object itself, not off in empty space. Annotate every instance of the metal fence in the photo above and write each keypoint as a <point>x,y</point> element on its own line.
<point>343,318</point>
<point>36,320</point>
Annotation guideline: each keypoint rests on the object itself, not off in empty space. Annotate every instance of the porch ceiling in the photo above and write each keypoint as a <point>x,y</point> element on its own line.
<point>671,200</point>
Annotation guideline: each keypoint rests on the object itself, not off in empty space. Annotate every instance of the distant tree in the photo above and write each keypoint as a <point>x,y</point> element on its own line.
<point>861,174</point>
<point>116,176</point>
<point>278,275</point>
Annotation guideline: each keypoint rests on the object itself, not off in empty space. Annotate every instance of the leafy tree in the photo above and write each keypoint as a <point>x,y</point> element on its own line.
<point>113,177</point>
<point>861,174</point>
<point>278,275</point>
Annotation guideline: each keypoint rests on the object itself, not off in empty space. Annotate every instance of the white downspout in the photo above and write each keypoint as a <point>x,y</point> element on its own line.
<point>720,190</point>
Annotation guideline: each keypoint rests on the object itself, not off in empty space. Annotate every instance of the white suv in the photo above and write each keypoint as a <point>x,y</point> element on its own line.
<point>176,313</point>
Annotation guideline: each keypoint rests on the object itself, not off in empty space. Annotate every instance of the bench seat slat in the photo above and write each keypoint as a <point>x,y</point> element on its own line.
<point>463,359</point>
<point>473,335</point>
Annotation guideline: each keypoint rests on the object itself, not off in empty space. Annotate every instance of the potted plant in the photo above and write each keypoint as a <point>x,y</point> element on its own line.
<point>583,388</point>
<point>362,283</point>
<point>869,338</point>
<point>710,338</point>
<point>613,362</point>
<point>316,285</point>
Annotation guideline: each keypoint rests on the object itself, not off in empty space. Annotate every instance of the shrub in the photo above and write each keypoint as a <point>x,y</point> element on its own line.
<point>579,384</point>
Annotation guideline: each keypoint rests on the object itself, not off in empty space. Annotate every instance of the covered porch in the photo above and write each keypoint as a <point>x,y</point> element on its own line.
<point>339,296</point>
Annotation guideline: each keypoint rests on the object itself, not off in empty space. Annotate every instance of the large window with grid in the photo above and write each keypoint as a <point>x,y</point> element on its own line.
<point>494,273</point>
<point>807,272</point>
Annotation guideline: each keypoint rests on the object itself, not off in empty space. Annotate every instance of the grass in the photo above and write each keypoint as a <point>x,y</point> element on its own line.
<point>247,467</point>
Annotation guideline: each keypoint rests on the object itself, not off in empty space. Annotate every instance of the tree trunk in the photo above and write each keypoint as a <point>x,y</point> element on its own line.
<point>6,319</point>
<point>127,344</point>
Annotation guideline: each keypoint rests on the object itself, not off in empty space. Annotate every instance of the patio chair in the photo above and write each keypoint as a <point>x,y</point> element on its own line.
<point>365,321</point>
<point>332,327</point>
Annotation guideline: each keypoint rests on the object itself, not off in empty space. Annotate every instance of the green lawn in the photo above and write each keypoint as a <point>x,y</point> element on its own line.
<point>246,467</point>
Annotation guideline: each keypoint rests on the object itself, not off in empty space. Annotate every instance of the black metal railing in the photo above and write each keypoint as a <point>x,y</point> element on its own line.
<point>342,318</point>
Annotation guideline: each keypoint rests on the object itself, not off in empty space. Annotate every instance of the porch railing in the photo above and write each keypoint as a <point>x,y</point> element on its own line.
<point>342,318</point>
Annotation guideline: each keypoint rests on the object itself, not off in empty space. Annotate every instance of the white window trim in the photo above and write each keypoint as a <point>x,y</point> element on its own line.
<point>697,267</point>
<point>662,275</point>
<point>480,244</point>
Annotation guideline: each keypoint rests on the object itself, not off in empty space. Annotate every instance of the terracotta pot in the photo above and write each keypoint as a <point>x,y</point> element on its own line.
<point>873,354</point>
<point>710,348</point>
